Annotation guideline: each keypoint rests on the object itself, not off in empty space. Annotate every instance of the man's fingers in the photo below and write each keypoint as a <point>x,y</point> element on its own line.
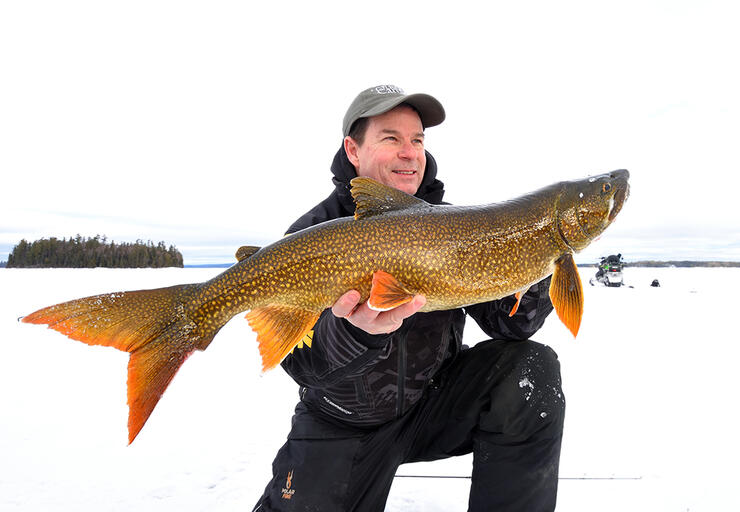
<point>397,315</point>
<point>346,304</point>
<point>364,317</point>
<point>372,321</point>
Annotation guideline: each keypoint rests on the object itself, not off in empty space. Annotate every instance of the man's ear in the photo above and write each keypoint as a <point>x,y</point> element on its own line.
<point>351,148</point>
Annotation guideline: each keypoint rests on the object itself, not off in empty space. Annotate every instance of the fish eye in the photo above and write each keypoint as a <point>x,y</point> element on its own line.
<point>606,187</point>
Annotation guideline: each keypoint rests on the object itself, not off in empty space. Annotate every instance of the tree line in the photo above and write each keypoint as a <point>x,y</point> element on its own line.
<point>81,252</point>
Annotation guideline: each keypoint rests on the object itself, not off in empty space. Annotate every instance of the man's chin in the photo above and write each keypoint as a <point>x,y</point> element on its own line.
<point>409,184</point>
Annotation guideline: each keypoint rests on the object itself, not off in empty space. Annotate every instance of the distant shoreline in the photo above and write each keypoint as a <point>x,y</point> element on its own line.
<point>677,264</point>
<point>210,265</point>
<point>645,263</point>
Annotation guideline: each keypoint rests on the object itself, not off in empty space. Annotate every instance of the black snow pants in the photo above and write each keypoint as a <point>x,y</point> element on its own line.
<point>500,400</point>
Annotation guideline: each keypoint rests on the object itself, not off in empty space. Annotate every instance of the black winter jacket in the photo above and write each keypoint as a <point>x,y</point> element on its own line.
<point>366,380</point>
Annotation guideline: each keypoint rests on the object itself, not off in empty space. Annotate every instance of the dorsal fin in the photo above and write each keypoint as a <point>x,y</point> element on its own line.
<point>374,198</point>
<point>245,251</point>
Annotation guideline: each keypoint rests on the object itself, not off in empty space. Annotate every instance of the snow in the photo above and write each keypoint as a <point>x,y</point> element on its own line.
<point>649,382</point>
<point>526,383</point>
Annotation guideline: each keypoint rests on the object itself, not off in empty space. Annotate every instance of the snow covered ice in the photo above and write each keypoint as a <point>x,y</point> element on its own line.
<point>649,382</point>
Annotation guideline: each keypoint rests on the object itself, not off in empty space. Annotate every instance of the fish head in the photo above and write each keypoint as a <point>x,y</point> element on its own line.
<point>587,207</point>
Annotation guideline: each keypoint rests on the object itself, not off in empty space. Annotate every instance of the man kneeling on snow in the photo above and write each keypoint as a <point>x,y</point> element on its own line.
<point>378,389</point>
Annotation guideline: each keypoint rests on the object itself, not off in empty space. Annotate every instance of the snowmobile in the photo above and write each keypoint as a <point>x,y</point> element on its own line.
<point>610,271</point>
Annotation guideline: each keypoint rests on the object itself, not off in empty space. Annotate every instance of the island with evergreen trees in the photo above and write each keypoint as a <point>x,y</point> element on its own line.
<point>81,252</point>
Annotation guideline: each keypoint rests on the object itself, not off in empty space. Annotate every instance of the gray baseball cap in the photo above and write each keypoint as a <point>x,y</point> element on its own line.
<point>382,98</point>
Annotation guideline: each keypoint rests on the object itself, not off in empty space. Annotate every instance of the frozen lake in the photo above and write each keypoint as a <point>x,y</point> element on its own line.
<point>650,384</point>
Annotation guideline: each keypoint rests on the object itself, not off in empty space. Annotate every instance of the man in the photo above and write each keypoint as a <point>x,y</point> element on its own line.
<point>378,389</point>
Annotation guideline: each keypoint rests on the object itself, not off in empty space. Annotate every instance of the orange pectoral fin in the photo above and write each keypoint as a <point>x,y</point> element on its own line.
<point>566,293</point>
<point>279,329</point>
<point>387,293</point>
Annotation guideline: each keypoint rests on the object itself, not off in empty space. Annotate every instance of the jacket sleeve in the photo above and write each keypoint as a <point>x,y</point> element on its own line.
<point>338,350</point>
<point>493,317</point>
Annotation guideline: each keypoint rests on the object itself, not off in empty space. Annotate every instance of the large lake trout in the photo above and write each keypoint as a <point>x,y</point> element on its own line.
<point>396,246</point>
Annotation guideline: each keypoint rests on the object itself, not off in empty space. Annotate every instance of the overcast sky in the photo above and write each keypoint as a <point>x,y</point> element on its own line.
<point>210,125</point>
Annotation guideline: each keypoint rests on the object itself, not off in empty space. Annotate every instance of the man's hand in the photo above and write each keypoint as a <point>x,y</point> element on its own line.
<point>370,321</point>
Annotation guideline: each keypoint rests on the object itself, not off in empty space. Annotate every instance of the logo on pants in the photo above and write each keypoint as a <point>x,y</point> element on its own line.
<point>287,491</point>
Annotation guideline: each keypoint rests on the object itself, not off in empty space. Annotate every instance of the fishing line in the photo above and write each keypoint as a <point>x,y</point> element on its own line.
<point>461,477</point>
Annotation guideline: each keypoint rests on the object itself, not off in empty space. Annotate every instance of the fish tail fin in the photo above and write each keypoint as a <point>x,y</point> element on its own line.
<point>151,325</point>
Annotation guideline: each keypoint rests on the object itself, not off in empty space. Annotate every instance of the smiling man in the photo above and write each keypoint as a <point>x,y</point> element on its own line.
<point>379,389</point>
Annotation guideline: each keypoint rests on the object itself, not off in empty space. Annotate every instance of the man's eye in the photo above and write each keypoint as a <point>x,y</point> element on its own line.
<point>391,138</point>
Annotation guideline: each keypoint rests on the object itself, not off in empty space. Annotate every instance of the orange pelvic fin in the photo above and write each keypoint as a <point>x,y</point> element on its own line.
<point>279,329</point>
<point>518,295</point>
<point>387,292</point>
<point>149,324</point>
<point>566,293</point>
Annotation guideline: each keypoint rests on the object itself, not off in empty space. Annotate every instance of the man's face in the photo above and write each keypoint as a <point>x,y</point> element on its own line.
<point>393,150</point>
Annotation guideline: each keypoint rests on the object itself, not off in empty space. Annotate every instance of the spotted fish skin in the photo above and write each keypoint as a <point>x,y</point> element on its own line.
<point>453,255</point>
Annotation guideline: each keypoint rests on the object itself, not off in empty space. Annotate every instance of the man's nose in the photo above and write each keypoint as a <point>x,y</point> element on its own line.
<point>407,151</point>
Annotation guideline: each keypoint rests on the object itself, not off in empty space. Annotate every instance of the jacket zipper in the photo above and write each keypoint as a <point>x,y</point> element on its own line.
<point>401,375</point>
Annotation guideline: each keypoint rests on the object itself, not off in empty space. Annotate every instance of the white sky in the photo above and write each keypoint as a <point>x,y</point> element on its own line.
<point>212,125</point>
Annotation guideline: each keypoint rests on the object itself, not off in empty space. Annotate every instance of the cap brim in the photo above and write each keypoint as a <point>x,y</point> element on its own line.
<point>430,110</point>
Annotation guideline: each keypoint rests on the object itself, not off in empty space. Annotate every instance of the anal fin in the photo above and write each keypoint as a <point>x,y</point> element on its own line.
<point>279,329</point>
<point>566,293</point>
<point>387,292</point>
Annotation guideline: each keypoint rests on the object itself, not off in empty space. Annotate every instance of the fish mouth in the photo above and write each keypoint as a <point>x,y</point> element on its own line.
<point>621,194</point>
<point>618,200</point>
